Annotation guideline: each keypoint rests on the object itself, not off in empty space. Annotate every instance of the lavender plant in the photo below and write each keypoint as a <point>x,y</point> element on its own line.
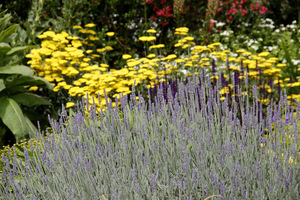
<point>189,145</point>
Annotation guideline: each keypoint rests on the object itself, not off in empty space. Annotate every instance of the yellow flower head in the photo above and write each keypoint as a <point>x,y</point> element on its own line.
<point>157,46</point>
<point>281,65</point>
<point>151,55</point>
<point>90,25</point>
<point>147,38</point>
<point>70,104</point>
<point>91,32</point>
<point>33,88</point>
<point>126,56</point>
<point>189,38</point>
<point>110,34</point>
<point>77,27</point>
<point>151,31</point>
<point>263,54</point>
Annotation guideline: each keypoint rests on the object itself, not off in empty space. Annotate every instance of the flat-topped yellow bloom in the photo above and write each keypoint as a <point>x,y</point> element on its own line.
<point>182,29</point>
<point>281,65</point>
<point>240,51</point>
<point>126,56</point>
<point>70,104</point>
<point>216,44</point>
<point>147,38</point>
<point>171,56</point>
<point>33,88</point>
<point>151,55</point>
<point>151,31</point>
<point>179,60</point>
<point>189,38</point>
<point>77,27</point>
<point>110,34</point>
<point>157,46</point>
<point>185,46</point>
<point>263,54</point>
<point>90,25</point>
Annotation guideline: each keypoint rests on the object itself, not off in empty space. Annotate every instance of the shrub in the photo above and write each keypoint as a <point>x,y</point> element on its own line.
<point>16,85</point>
<point>188,147</point>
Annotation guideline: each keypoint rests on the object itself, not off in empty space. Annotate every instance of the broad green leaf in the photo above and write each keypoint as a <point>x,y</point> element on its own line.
<point>7,32</point>
<point>30,81</point>
<point>3,130</point>
<point>16,69</point>
<point>12,116</point>
<point>4,48</point>
<point>30,99</point>
<point>16,89</point>
<point>2,85</point>
<point>30,127</point>
<point>16,50</point>
<point>33,115</point>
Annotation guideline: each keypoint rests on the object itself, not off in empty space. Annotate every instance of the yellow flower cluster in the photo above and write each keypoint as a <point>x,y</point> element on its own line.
<point>62,61</point>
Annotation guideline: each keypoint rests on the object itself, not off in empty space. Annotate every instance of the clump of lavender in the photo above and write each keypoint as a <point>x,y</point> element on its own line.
<point>187,144</point>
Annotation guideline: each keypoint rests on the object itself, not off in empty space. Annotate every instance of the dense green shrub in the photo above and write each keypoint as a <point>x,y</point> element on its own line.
<point>16,81</point>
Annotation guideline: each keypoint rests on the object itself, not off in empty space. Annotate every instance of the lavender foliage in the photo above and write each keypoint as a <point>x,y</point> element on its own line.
<point>184,145</point>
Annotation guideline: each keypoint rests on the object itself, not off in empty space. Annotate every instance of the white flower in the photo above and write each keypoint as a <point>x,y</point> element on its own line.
<point>220,24</point>
<point>255,47</point>
<point>183,71</point>
<point>225,33</point>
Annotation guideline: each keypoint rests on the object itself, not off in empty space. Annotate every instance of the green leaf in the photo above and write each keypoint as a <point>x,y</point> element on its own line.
<point>17,89</point>
<point>4,48</point>
<point>29,81</point>
<point>12,116</point>
<point>16,50</point>
<point>16,69</point>
<point>8,32</point>
<point>287,56</point>
<point>4,20</point>
<point>30,126</point>
<point>29,99</point>
<point>2,85</point>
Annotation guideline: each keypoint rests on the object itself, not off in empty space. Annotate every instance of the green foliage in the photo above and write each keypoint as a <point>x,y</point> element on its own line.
<point>15,81</point>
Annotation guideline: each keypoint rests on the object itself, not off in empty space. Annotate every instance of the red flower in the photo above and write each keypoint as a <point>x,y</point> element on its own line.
<point>165,12</point>
<point>163,23</point>
<point>46,15</point>
<point>163,1</point>
<point>153,18</point>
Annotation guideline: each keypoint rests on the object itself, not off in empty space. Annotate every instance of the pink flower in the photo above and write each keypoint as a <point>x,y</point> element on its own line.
<point>244,12</point>
<point>234,11</point>
<point>263,10</point>
<point>149,1</point>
